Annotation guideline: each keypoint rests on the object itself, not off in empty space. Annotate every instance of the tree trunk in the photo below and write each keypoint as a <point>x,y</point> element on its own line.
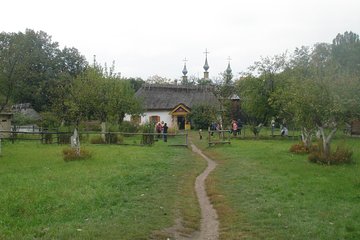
<point>326,142</point>
<point>103,131</point>
<point>306,137</point>
<point>121,117</point>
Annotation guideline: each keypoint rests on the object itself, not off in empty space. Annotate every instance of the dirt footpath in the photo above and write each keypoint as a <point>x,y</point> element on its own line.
<point>209,229</point>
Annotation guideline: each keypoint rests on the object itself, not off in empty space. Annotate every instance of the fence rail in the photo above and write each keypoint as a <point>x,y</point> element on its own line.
<point>119,138</point>
<point>219,137</point>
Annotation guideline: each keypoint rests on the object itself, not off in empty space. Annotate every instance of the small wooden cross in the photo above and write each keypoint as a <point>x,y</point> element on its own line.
<point>206,52</point>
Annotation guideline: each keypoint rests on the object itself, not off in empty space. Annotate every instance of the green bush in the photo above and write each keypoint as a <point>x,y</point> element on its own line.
<point>49,120</point>
<point>342,155</point>
<point>21,119</point>
<point>90,126</point>
<point>111,138</point>
<point>69,154</point>
<point>148,139</point>
<point>48,138</point>
<point>128,127</point>
<point>97,140</point>
<point>202,116</point>
<point>114,138</point>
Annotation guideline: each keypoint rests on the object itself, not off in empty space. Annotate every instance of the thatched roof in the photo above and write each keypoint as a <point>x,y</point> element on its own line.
<point>166,97</point>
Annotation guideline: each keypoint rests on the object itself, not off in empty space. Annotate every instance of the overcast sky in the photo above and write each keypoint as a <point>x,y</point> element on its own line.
<point>152,37</point>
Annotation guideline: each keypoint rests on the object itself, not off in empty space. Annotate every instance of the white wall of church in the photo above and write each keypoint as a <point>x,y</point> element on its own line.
<point>164,116</point>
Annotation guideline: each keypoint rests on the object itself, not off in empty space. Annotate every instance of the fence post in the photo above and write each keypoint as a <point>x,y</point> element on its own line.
<point>13,135</point>
<point>186,140</point>
<point>209,138</point>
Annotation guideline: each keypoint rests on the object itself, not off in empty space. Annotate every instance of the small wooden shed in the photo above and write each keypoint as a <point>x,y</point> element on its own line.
<point>355,127</point>
<point>5,123</point>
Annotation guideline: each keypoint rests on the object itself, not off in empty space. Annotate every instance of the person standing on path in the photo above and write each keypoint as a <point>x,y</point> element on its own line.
<point>165,130</point>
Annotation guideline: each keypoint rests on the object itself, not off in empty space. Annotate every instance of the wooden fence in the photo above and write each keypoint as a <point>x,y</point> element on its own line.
<point>119,138</point>
<point>219,137</point>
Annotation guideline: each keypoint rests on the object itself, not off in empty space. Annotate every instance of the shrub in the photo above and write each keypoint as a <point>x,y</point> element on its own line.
<point>111,138</point>
<point>21,119</point>
<point>202,116</point>
<point>342,155</point>
<point>128,127</point>
<point>114,138</point>
<point>90,126</point>
<point>120,139</point>
<point>300,148</point>
<point>97,140</point>
<point>48,138</point>
<point>49,120</point>
<point>148,139</point>
<point>172,130</point>
<point>316,157</point>
<point>69,154</point>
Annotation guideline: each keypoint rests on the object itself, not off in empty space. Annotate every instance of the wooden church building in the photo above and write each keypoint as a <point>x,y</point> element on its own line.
<point>172,103</point>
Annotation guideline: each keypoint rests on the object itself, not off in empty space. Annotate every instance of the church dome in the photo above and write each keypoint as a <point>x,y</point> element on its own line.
<point>184,71</point>
<point>206,65</point>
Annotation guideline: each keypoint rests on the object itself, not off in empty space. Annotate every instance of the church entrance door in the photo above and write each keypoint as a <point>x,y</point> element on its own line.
<point>181,122</point>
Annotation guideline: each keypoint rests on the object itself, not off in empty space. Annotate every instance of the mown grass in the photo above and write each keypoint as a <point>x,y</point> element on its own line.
<point>121,192</point>
<point>262,191</point>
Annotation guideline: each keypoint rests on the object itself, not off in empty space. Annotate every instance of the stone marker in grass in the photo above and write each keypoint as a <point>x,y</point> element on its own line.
<point>75,142</point>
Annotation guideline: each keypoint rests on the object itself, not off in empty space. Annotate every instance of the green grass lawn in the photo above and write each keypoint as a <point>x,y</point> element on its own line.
<point>122,192</point>
<point>262,191</point>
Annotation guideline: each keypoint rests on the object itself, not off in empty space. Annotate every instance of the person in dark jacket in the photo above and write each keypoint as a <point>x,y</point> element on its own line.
<point>165,130</point>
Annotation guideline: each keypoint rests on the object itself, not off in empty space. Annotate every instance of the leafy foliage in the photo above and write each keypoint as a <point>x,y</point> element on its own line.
<point>315,89</point>
<point>21,119</point>
<point>148,139</point>
<point>128,127</point>
<point>31,66</point>
<point>97,95</point>
<point>202,116</point>
<point>97,140</point>
<point>342,155</point>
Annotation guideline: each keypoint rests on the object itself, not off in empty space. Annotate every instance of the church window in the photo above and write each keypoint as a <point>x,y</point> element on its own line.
<point>154,119</point>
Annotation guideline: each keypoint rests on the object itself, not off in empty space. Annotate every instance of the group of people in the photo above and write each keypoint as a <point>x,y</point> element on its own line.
<point>236,126</point>
<point>161,129</point>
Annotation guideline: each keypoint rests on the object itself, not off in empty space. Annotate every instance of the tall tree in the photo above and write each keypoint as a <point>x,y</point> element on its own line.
<point>320,94</point>
<point>346,52</point>
<point>95,95</point>
<point>257,87</point>
<point>32,66</point>
<point>11,69</point>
